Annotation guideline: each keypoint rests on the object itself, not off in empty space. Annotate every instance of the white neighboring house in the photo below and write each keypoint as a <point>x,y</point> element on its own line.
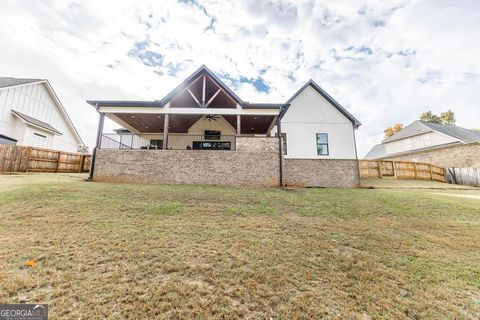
<point>32,115</point>
<point>315,126</point>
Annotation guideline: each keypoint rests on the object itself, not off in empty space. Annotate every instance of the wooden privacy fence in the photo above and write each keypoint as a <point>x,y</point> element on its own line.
<point>31,159</point>
<point>401,170</point>
<point>464,176</point>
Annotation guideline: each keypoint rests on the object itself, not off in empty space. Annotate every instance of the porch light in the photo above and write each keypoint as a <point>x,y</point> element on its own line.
<point>132,116</point>
<point>255,118</point>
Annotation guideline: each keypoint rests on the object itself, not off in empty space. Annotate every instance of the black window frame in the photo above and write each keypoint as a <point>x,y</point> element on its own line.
<point>158,144</point>
<point>40,135</point>
<point>318,144</point>
<point>211,145</point>
<point>212,134</point>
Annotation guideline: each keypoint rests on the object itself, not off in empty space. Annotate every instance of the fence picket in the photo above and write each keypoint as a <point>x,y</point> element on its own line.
<point>401,170</point>
<point>31,159</point>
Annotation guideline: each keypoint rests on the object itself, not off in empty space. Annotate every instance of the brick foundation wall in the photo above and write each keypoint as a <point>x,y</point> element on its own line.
<point>467,155</point>
<point>254,163</point>
<point>321,173</point>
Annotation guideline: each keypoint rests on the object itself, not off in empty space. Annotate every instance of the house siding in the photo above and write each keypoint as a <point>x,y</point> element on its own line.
<point>418,142</point>
<point>34,100</point>
<point>467,155</point>
<point>310,113</point>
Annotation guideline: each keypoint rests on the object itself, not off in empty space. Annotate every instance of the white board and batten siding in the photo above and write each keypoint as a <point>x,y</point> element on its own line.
<point>310,113</point>
<point>35,100</point>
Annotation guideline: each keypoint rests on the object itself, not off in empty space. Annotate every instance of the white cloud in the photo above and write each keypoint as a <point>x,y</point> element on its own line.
<point>386,61</point>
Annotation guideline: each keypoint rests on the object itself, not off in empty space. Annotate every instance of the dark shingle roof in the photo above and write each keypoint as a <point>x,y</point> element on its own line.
<point>460,133</point>
<point>376,152</point>
<point>9,82</point>
<point>36,122</point>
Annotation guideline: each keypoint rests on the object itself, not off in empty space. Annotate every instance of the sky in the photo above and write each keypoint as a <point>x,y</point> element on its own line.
<point>385,61</point>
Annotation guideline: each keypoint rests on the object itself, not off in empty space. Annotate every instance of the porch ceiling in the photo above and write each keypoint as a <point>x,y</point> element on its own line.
<point>256,124</point>
<point>180,123</point>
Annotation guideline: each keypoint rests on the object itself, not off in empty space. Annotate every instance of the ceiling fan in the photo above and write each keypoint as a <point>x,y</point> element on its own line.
<point>211,117</point>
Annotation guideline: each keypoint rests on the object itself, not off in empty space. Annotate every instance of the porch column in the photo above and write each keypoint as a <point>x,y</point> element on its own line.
<point>239,125</point>
<point>98,144</point>
<point>165,132</point>
<point>100,130</point>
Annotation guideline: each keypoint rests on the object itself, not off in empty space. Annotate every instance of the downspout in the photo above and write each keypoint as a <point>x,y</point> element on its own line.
<point>280,146</point>
<point>98,143</point>
<point>356,153</point>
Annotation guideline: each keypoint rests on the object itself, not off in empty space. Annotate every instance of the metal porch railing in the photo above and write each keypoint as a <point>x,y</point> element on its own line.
<point>175,141</point>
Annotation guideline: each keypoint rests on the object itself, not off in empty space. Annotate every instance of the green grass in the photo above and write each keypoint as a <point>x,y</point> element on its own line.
<point>152,251</point>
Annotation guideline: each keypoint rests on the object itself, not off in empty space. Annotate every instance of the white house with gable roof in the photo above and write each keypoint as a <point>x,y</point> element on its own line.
<point>32,115</point>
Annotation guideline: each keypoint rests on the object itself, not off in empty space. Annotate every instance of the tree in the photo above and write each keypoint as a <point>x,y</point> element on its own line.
<point>447,117</point>
<point>390,131</point>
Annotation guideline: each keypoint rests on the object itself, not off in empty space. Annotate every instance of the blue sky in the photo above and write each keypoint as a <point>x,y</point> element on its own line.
<point>385,61</point>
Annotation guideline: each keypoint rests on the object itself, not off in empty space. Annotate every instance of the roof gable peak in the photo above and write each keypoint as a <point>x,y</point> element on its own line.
<point>184,85</point>
<point>324,94</point>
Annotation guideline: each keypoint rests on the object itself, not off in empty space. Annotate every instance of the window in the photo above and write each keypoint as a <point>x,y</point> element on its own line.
<point>408,144</point>
<point>156,144</point>
<point>40,135</point>
<point>284,143</point>
<point>322,144</point>
<point>427,140</point>
<point>215,145</point>
<point>212,135</point>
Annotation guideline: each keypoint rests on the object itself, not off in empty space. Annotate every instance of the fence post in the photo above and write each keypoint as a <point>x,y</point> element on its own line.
<point>394,170</point>
<point>58,161</point>
<point>28,159</point>
<point>379,169</point>
<point>415,170</point>
<point>80,163</point>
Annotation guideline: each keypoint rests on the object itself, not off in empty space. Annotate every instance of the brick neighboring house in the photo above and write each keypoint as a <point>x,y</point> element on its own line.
<point>438,144</point>
<point>203,133</point>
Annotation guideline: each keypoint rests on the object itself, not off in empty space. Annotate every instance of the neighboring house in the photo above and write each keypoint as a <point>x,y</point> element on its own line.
<point>439,144</point>
<point>203,133</point>
<point>32,115</point>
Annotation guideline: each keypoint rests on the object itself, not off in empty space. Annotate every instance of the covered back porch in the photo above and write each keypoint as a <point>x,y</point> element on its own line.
<point>202,113</point>
<point>173,131</point>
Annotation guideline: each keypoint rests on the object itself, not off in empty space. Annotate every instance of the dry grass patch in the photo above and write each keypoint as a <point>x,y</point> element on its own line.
<point>140,251</point>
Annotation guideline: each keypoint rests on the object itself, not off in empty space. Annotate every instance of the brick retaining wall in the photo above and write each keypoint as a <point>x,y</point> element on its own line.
<point>254,163</point>
<point>467,155</point>
<point>321,173</point>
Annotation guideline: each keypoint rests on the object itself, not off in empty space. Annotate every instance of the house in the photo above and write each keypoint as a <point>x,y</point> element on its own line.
<point>203,133</point>
<point>438,144</point>
<point>32,115</point>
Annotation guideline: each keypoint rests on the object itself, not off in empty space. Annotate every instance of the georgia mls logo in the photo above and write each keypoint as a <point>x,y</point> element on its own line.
<point>23,312</point>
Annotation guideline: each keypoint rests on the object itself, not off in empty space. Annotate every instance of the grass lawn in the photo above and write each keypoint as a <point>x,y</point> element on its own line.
<point>142,251</point>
